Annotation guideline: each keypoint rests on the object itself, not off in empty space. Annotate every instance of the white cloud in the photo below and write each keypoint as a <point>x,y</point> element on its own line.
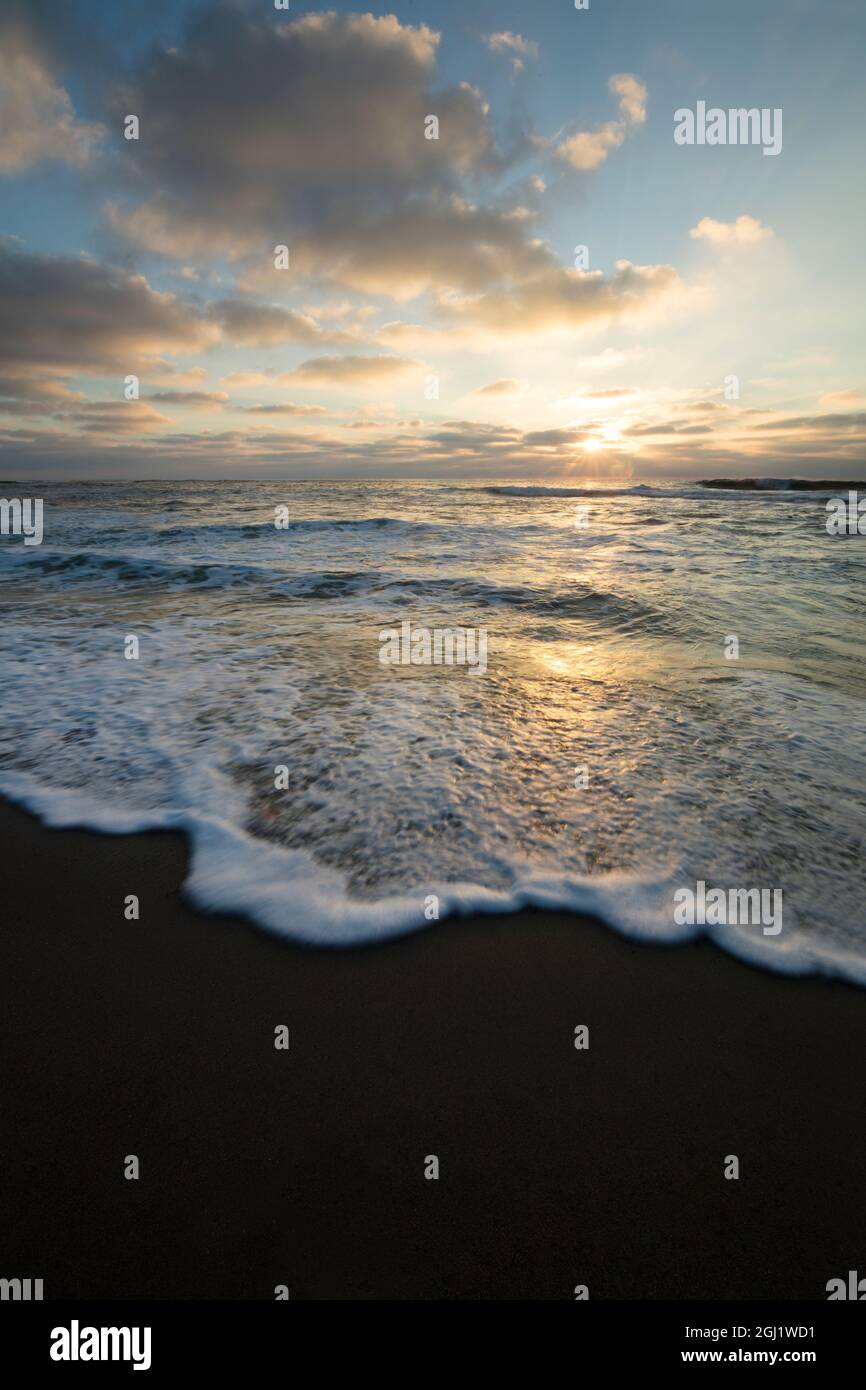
<point>351,371</point>
<point>745,231</point>
<point>632,95</point>
<point>589,148</point>
<point>513,44</point>
<point>610,358</point>
<point>505,386</point>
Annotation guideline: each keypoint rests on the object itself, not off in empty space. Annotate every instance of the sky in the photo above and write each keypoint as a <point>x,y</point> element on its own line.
<point>433,238</point>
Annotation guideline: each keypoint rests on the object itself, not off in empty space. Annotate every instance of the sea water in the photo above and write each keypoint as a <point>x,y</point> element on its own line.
<point>616,748</point>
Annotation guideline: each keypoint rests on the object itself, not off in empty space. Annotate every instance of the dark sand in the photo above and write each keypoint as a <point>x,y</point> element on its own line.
<point>305,1168</point>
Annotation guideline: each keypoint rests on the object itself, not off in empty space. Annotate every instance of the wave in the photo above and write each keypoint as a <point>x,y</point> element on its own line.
<point>261,530</point>
<point>94,568</point>
<point>373,526</point>
<point>741,489</point>
<point>638,490</point>
<point>578,601</point>
<point>288,893</point>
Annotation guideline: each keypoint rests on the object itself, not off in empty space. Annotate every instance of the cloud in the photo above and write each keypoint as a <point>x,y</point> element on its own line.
<point>64,316</point>
<point>370,423</point>
<point>285,408</point>
<point>611,358</point>
<point>271,377</point>
<point>162,373</point>
<point>506,386</point>
<point>745,231</point>
<point>265,378</point>
<point>256,325</point>
<point>115,417</point>
<point>838,422</point>
<point>198,400</point>
<point>256,135</point>
<point>439,242</point>
<point>61,315</point>
<point>666,427</point>
<point>412,337</point>
<point>699,407</point>
<point>311,135</point>
<point>848,397</point>
<point>414,448</point>
<point>517,47</point>
<point>32,396</point>
<point>554,439</point>
<point>351,371</point>
<point>609,393</point>
<point>632,95</point>
<point>37,121</point>
<point>561,300</point>
<point>588,149</point>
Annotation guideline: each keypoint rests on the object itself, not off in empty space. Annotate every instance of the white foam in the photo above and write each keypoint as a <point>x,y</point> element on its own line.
<point>287,893</point>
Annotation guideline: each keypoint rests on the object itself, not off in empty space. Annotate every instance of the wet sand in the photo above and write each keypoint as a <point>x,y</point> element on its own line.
<point>305,1167</point>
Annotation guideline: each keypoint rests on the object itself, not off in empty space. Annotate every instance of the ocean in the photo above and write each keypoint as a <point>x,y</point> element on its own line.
<point>673,692</point>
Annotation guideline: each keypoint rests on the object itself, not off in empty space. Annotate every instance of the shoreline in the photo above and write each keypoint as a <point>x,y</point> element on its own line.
<point>305,1167</point>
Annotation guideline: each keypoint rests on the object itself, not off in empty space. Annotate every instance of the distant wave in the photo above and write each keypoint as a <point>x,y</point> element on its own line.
<point>372,527</point>
<point>639,490</point>
<point>260,530</point>
<point>790,488</point>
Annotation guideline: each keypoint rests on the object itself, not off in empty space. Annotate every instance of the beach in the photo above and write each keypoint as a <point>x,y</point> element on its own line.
<point>433,686</point>
<point>304,1167</point>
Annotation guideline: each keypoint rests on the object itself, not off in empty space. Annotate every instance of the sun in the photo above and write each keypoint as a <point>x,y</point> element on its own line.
<point>608,436</point>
